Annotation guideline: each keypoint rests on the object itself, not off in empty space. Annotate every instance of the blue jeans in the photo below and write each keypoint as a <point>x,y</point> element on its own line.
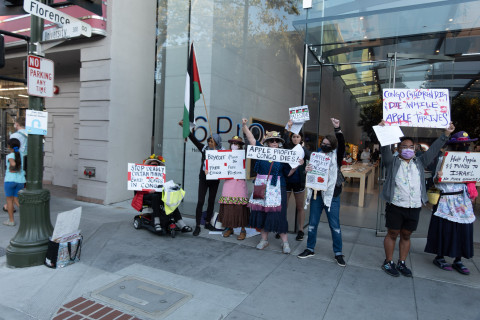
<point>316,208</point>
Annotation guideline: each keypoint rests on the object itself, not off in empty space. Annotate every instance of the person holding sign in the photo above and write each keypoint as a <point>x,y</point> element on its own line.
<point>234,212</point>
<point>450,232</point>
<point>296,182</point>
<point>270,212</point>
<point>204,185</point>
<point>334,147</point>
<point>404,191</point>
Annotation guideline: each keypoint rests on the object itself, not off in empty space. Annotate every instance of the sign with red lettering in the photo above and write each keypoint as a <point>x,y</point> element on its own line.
<point>40,77</point>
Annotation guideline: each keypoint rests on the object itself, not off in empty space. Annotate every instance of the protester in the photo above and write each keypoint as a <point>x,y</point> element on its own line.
<point>334,147</point>
<point>404,191</point>
<point>270,214</point>
<point>450,232</point>
<point>204,185</point>
<point>296,182</point>
<point>160,218</point>
<point>14,178</point>
<point>234,212</point>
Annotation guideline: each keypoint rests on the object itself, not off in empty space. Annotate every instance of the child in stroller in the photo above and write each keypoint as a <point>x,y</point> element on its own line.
<point>157,220</point>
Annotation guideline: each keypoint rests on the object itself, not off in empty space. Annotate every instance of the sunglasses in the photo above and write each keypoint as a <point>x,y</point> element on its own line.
<point>275,140</point>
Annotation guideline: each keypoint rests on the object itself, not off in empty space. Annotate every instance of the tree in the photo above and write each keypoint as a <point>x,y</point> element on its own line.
<point>371,115</point>
<point>466,115</point>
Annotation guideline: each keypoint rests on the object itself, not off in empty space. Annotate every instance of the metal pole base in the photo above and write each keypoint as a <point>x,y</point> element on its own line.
<point>29,246</point>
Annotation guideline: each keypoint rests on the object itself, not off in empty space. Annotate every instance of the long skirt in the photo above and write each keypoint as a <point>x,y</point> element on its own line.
<point>271,221</point>
<point>234,215</point>
<point>448,238</point>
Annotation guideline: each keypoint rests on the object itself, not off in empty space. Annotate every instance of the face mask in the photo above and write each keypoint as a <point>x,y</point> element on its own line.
<point>325,148</point>
<point>407,153</point>
<point>234,147</point>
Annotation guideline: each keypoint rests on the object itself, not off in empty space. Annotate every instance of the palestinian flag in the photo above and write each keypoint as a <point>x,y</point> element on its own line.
<point>192,93</point>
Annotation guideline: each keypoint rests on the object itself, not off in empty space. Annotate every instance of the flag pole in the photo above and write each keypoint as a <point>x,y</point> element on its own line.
<point>208,119</point>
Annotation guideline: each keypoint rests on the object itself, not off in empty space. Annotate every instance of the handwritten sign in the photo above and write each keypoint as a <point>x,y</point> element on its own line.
<point>225,164</point>
<point>317,179</point>
<point>460,167</point>
<point>299,114</point>
<point>144,178</point>
<point>273,154</point>
<point>428,108</point>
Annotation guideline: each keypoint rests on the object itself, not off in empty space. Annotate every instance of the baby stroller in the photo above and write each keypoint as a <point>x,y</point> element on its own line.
<point>167,220</point>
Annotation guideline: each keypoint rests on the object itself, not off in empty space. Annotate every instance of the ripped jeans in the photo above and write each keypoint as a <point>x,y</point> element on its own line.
<point>316,208</point>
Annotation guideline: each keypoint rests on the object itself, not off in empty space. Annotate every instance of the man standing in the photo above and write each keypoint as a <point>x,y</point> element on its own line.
<point>404,191</point>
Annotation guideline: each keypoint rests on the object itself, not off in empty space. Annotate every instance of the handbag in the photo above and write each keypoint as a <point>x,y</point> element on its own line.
<point>433,195</point>
<point>62,254</point>
<point>259,191</point>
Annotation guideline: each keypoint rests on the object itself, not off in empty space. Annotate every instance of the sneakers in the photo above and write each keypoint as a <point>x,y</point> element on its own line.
<point>390,268</point>
<point>262,244</point>
<point>9,223</point>
<point>300,235</point>
<point>402,267</point>
<point>286,248</point>
<point>197,230</point>
<point>306,254</point>
<point>340,260</point>
<point>460,268</point>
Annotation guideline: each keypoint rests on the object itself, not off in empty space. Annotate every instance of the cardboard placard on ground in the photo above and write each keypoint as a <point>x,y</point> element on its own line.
<point>459,167</point>
<point>225,164</point>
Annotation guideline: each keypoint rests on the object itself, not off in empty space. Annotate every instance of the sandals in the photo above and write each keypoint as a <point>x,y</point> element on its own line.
<point>187,229</point>
<point>460,268</point>
<point>5,209</point>
<point>158,228</point>
<point>442,264</point>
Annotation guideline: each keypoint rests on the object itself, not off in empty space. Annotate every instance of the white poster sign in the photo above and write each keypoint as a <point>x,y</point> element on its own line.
<point>428,108</point>
<point>145,177</point>
<point>40,77</point>
<point>273,154</point>
<point>460,167</point>
<point>299,114</point>
<point>225,164</point>
<point>317,179</point>
<point>36,122</point>
<point>67,223</point>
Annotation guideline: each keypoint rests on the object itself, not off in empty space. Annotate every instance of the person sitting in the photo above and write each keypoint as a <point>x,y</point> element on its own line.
<point>160,218</point>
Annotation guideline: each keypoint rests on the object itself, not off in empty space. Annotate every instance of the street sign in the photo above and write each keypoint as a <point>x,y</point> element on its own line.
<point>67,31</point>
<point>40,77</point>
<point>48,13</point>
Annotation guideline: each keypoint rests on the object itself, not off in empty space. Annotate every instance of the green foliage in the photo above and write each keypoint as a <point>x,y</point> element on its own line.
<point>371,115</point>
<point>466,116</point>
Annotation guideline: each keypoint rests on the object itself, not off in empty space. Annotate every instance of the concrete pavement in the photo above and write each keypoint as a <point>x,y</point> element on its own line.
<point>211,277</point>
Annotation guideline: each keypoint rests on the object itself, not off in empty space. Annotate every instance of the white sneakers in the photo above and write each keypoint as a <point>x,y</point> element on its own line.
<point>286,248</point>
<point>262,244</point>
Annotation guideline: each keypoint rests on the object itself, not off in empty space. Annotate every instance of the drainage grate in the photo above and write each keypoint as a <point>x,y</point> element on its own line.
<point>142,297</point>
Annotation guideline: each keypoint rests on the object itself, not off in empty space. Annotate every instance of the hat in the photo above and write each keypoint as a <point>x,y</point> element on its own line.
<point>460,137</point>
<point>269,135</point>
<point>217,139</point>
<point>236,139</point>
<point>154,158</point>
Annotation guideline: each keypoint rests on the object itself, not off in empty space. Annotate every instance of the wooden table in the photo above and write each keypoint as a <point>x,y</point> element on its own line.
<point>365,173</point>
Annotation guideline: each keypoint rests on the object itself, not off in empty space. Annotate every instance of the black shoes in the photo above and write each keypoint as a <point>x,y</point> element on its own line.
<point>402,267</point>
<point>300,235</point>
<point>390,268</point>
<point>211,228</point>
<point>340,260</point>
<point>306,254</point>
<point>197,230</point>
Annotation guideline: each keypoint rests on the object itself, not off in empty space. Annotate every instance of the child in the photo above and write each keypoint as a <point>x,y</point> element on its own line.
<point>14,178</point>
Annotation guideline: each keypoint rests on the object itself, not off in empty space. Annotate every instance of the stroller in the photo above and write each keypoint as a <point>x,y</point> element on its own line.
<point>167,223</point>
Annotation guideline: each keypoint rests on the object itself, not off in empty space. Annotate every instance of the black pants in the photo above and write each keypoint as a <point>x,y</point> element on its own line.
<point>159,209</point>
<point>203,186</point>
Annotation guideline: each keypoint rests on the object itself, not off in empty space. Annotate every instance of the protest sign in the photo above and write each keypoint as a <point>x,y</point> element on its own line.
<point>225,164</point>
<point>317,179</point>
<point>144,177</point>
<point>458,167</point>
<point>429,108</point>
<point>273,154</point>
<point>299,114</point>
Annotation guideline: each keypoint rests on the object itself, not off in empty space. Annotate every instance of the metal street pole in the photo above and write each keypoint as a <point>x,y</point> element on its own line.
<point>29,246</point>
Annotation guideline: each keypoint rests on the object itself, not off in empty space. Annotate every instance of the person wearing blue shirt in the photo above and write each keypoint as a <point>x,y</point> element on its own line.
<point>14,178</point>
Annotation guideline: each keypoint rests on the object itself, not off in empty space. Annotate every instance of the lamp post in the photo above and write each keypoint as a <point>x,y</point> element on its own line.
<point>29,246</point>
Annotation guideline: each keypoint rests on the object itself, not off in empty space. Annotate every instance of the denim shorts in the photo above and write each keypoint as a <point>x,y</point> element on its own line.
<point>11,188</point>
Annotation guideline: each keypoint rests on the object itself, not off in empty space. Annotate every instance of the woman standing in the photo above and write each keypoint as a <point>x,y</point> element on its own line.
<point>296,182</point>
<point>204,185</point>
<point>270,214</point>
<point>14,178</point>
<point>450,232</point>
<point>234,212</point>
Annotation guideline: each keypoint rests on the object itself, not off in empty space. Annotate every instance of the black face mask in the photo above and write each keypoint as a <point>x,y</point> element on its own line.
<point>326,148</point>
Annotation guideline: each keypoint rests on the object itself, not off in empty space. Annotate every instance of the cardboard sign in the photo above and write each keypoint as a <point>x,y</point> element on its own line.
<point>299,114</point>
<point>458,167</point>
<point>317,179</point>
<point>36,122</point>
<point>145,178</point>
<point>428,108</point>
<point>225,164</point>
<point>273,154</point>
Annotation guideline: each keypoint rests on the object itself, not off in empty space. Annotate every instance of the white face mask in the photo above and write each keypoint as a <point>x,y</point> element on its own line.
<point>234,147</point>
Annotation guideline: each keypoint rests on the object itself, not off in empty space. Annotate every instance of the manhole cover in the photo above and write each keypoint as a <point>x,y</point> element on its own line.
<point>142,297</point>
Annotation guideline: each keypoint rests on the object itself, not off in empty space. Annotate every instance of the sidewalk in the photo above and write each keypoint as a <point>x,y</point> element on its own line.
<point>133,274</point>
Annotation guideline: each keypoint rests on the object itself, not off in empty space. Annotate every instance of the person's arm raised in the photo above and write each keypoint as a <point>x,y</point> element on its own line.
<point>248,133</point>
